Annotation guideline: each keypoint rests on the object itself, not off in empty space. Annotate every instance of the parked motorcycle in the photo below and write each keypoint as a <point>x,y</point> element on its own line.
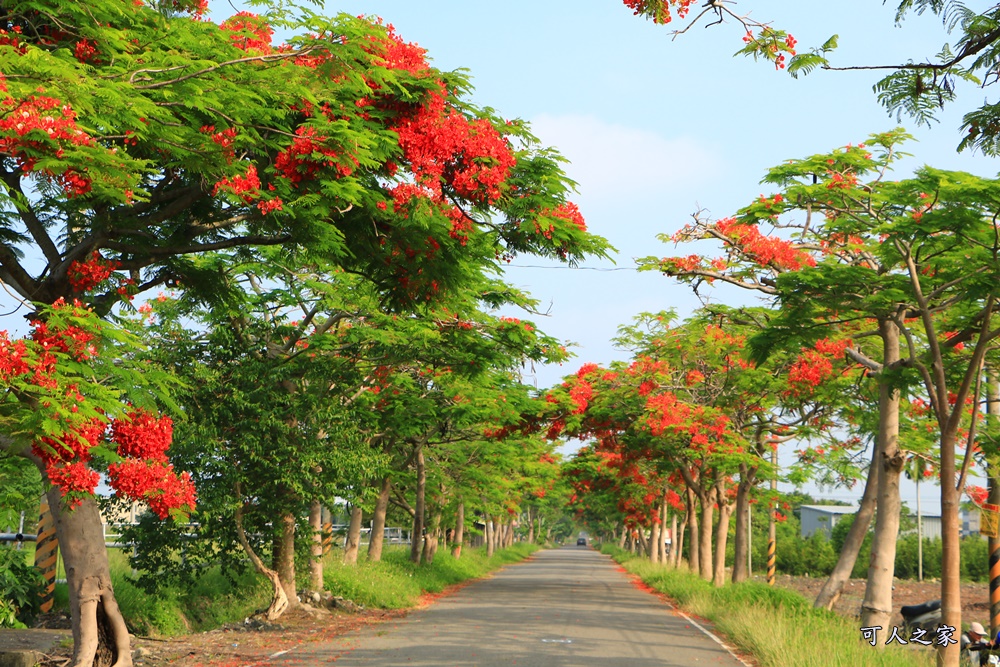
<point>926,616</point>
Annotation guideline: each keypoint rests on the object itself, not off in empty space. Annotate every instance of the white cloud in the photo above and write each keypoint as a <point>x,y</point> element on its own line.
<point>609,160</point>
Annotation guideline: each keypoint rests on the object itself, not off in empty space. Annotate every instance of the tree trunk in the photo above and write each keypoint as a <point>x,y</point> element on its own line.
<point>489,536</point>
<point>624,536</point>
<point>416,543</point>
<point>679,546</point>
<point>640,539</point>
<point>456,548</point>
<point>834,585</point>
<point>531,526</point>
<point>675,540</point>
<point>353,541</point>
<point>721,536</point>
<point>510,533</point>
<point>377,537</point>
<point>286,563</point>
<point>876,609</point>
<point>100,637</point>
<point>707,499</point>
<point>741,541</point>
<point>433,535</point>
<point>279,601</point>
<point>316,545</point>
<point>694,563</point>
<point>653,551</point>
<point>951,593</point>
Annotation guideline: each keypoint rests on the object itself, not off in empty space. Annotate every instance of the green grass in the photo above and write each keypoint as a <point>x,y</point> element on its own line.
<point>396,583</point>
<point>777,626</point>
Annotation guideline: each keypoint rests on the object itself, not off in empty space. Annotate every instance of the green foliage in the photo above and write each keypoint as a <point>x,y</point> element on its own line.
<point>20,588</point>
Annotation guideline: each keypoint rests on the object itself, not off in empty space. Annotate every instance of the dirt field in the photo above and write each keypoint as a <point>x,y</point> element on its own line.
<point>975,597</point>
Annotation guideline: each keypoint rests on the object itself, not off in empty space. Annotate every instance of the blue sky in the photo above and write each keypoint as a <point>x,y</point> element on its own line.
<point>657,128</point>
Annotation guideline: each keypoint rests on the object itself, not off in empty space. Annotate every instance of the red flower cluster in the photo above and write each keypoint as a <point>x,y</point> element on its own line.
<point>85,51</point>
<point>296,163</point>
<point>809,371</point>
<point>35,124</point>
<point>247,187</point>
<point>90,273</point>
<point>568,212</point>
<point>443,147</point>
<point>155,483</point>
<point>397,54</point>
<point>659,10</point>
<point>249,32</point>
<point>143,436</point>
<point>765,250</point>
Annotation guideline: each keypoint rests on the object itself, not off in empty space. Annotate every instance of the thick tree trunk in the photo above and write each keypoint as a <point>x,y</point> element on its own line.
<point>279,601</point>
<point>834,585</point>
<point>531,526</point>
<point>509,542</point>
<point>653,551</point>
<point>316,545</point>
<point>416,543</point>
<point>377,537</point>
<point>456,547</point>
<point>353,543</point>
<point>876,609</point>
<point>490,544</point>
<point>100,637</point>
<point>707,500</point>
<point>624,536</point>
<point>741,541</point>
<point>721,536</point>
<point>694,562</point>
<point>286,563</point>
<point>433,536</point>
<point>951,593</point>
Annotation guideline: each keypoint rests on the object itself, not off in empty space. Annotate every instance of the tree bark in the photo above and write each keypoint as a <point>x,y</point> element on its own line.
<point>834,585</point>
<point>707,499</point>
<point>433,535</point>
<point>316,545</point>
<point>509,542</point>
<point>100,637</point>
<point>694,563</point>
<point>377,537</point>
<point>531,526</point>
<point>741,541</point>
<point>653,551</point>
<point>353,542</point>
<point>286,563</point>
<point>721,536</point>
<point>876,609</point>
<point>624,536</point>
<point>456,548</point>
<point>419,505</point>
<point>490,544</point>
<point>279,601</point>
<point>675,540</point>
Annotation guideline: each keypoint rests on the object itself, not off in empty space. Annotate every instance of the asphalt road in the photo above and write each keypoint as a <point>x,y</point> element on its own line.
<point>566,607</point>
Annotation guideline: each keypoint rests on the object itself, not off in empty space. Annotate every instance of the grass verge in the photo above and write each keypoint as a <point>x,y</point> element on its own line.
<point>396,583</point>
<point>780,628</point>
<point>215,600</point>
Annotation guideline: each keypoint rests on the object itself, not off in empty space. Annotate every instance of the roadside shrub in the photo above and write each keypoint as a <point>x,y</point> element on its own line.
<point>20,587</point>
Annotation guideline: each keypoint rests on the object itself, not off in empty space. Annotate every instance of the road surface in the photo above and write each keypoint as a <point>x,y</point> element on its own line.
<point>568,607</point>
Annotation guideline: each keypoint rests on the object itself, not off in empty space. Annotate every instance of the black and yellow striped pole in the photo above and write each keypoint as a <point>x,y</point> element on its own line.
<point>993,500</point>
<point>46,553</point>
<point>327,537</point>
<point>772,533</point>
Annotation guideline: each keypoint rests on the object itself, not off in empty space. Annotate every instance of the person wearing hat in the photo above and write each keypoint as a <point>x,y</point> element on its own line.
<point>978,639</point>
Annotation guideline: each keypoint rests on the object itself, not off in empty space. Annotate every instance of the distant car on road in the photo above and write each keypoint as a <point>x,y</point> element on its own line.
<point>581,541</point>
